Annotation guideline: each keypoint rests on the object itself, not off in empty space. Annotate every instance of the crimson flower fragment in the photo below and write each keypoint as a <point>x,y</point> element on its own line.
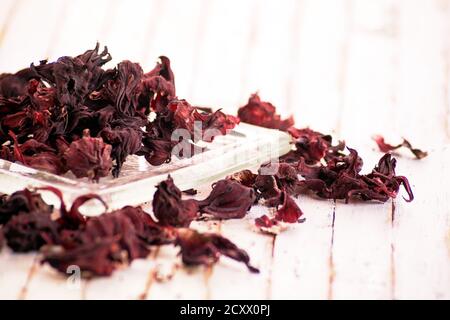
<point>23,201</point>
<point>29,231</point>
<point>170,209</point>
<point>228,200</point>
<point>206,248</point>
<point>263,114</point>
<point>89,157</point>
<point>385,147</point>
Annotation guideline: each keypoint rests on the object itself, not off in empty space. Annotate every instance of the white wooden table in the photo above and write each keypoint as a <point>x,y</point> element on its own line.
<point>349,67</point>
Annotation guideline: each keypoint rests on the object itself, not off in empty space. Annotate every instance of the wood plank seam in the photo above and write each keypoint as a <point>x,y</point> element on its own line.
<point>332,272</point>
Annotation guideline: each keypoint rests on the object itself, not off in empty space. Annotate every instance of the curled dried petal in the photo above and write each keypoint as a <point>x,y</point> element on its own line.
<point>170,209</point>
<point>205,249</point>
<point>386,147</point>
<point>263,114</point>
<point>228,200</point>
<point>29,231</point>
<point>289,212</point>
<point>89,157</point>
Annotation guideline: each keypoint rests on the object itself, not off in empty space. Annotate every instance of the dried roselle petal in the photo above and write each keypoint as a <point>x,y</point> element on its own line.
<point>32,146</point>
<point>89,157</point>
<point>267,187</point>
<point>72,219</point>
<point>22,201</point>
<point>182,115</point>
<point>383,178</point>
<point>244,177</point>
<point>93,61</point>
<point>157,87</point>
<point>419,154</point>
<point>124,141</point>
<point>190,192</point>
<point>29,231</point>
<point>270,225</point>
<point>170,209</point>
<point>156,151</point>
<point>286,177</point>
<point>206,248</point>
<point>115,226</point>
<point>46,161</point>
<point>126,87</point>
<point>74,77</point>
<point>228,200</point>
<point>94,259</point>
<point>14,85</point>
<point>263,114</point>
<point>385,147</point>
<point>146,228</point>
<point>216,123</point>
<point>265,222</point>
<point>163,69</point>
<point>309,144</point>
<point>289,211</point>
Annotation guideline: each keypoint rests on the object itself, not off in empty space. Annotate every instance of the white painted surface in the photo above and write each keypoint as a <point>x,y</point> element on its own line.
<point>350,67</point>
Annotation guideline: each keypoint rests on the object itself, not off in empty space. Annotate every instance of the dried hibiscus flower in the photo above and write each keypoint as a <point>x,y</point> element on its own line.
<point>96,258</point>
<point>244,177</point>
<point>206,248</point>
<point>385,147</point>
<point>263,114</point>
<point>89,157</point>
<point>29,231</point>
<point>341,179</point>
<point>23,201</point>
<point>228,200</point>
<point>289,211</point>
<point>170,209</point>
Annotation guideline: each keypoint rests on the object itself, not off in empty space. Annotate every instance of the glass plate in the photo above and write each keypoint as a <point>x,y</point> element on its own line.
<point>246,146</point>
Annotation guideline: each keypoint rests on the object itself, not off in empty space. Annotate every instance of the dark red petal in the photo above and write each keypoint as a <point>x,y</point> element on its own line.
<point>289,212</point>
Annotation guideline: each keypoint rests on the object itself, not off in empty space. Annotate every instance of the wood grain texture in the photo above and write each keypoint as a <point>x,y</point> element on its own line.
<point>353,68</point>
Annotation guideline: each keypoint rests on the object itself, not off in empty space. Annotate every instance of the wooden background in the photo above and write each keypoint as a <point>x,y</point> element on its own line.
<point>353,68</point>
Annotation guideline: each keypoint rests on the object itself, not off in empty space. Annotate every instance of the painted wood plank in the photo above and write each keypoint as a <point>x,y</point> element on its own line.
<point>171,280</point>
<point>232,280</point>
<point>361,244</point>
<point>169,273</point>
<point>301,256</point>
<point>131,282</point>
<point>421,247</point>
<point>29,33</point>
<point>14,273</point>
<point>46,283</point>
<point>301,267</point>
<point>422,228</point>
